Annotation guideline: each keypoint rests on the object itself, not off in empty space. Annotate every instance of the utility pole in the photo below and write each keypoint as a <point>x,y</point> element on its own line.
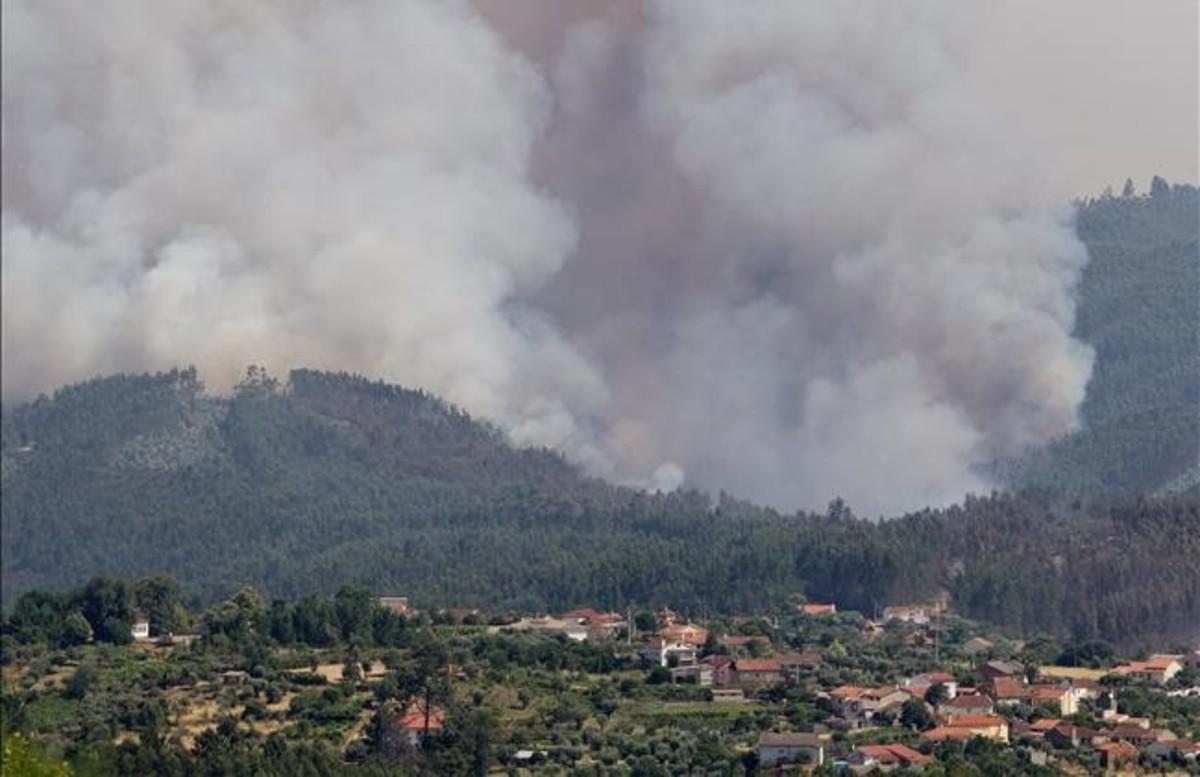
<point>937,611</point>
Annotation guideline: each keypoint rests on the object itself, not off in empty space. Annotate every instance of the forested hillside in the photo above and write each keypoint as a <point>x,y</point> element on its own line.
<point>333,479</point>
<point>1139,307</point>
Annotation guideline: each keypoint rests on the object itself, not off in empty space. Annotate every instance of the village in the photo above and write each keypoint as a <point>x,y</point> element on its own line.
<point>815,689</point>
<point>1049,709</point>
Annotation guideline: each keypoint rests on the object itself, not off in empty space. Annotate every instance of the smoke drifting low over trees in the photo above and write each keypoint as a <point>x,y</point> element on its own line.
<point>601,227</point>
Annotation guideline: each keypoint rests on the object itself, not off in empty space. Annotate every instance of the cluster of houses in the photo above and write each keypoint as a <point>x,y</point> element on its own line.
<point>735,666</point>
<point>963,713</point>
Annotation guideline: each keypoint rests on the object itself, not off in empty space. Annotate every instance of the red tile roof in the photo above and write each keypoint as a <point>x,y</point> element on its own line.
<point>693,635</point>
<point>893,754</point>
<point>757,665</point>
<point>1117,751</point>
<point>967,702</point>
<point>414,720</point>
<point>884,691</point>
<point>1007,688</point>
<point>848,692</point>
<point>1047,692</point>
<point>1132,732</point>
<point>976,721</point>
<point>1182,746</point>
<point>1068,731</point>
<point>1158,663</point>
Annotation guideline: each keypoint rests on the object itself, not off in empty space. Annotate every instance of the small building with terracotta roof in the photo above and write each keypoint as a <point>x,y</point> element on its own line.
<point>1039,727</point>
<point>987,726</point>
<point>1158,669</point>
<point>852,701</point>
<point>757,671</point>
<point>684,632</point>
<point>887,757</point>
<point>947,734</point>
<point>408,727</point>
<point>929,679</point>
<point>993,669</point>
<point>1069,735</point>
<point>974,704</point>
<point>1006,690</point>
<point>1058,698</point>
<point>1114,755</point>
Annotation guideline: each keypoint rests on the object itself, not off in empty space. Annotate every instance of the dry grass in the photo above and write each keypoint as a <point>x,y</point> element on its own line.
<point>284,702</point>
<point>331,672</point>
<point>265,727</point>
<point>58,677</point>
<point>356,730</point>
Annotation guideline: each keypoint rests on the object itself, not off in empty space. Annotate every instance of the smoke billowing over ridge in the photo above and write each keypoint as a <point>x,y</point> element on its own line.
<point>786,249</point>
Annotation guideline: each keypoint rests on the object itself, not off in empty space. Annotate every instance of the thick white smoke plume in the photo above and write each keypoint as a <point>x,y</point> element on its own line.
<point>785,245</point>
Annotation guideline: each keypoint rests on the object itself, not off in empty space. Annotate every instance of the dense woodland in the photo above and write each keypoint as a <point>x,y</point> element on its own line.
<point>1138,307</point>
<point>302,486</point>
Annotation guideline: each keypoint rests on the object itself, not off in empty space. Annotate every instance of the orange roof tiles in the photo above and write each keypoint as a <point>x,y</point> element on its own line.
<point>976,721</point>
<point>414,720</point>
<point>894,753</point>
<point>757,665</point>
<point>942,733</point>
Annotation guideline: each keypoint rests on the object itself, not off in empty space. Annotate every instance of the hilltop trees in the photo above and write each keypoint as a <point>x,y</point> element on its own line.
<point>301,486</point>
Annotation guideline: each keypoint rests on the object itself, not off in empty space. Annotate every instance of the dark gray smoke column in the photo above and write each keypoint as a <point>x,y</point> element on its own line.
<point>812,259</point>
<point>784,248</point>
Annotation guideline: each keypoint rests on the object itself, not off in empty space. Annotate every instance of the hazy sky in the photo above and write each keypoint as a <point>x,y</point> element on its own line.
<point>1110,85</point>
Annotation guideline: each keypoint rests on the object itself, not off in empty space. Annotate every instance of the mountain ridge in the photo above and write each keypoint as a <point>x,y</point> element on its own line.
<point>331,478</point>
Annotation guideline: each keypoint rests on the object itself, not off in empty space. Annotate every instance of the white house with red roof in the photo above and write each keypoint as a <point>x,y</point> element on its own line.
<point>930,679</point>
<point>1158,669</point>
<point>659,651</point>
<point>684,632</point>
